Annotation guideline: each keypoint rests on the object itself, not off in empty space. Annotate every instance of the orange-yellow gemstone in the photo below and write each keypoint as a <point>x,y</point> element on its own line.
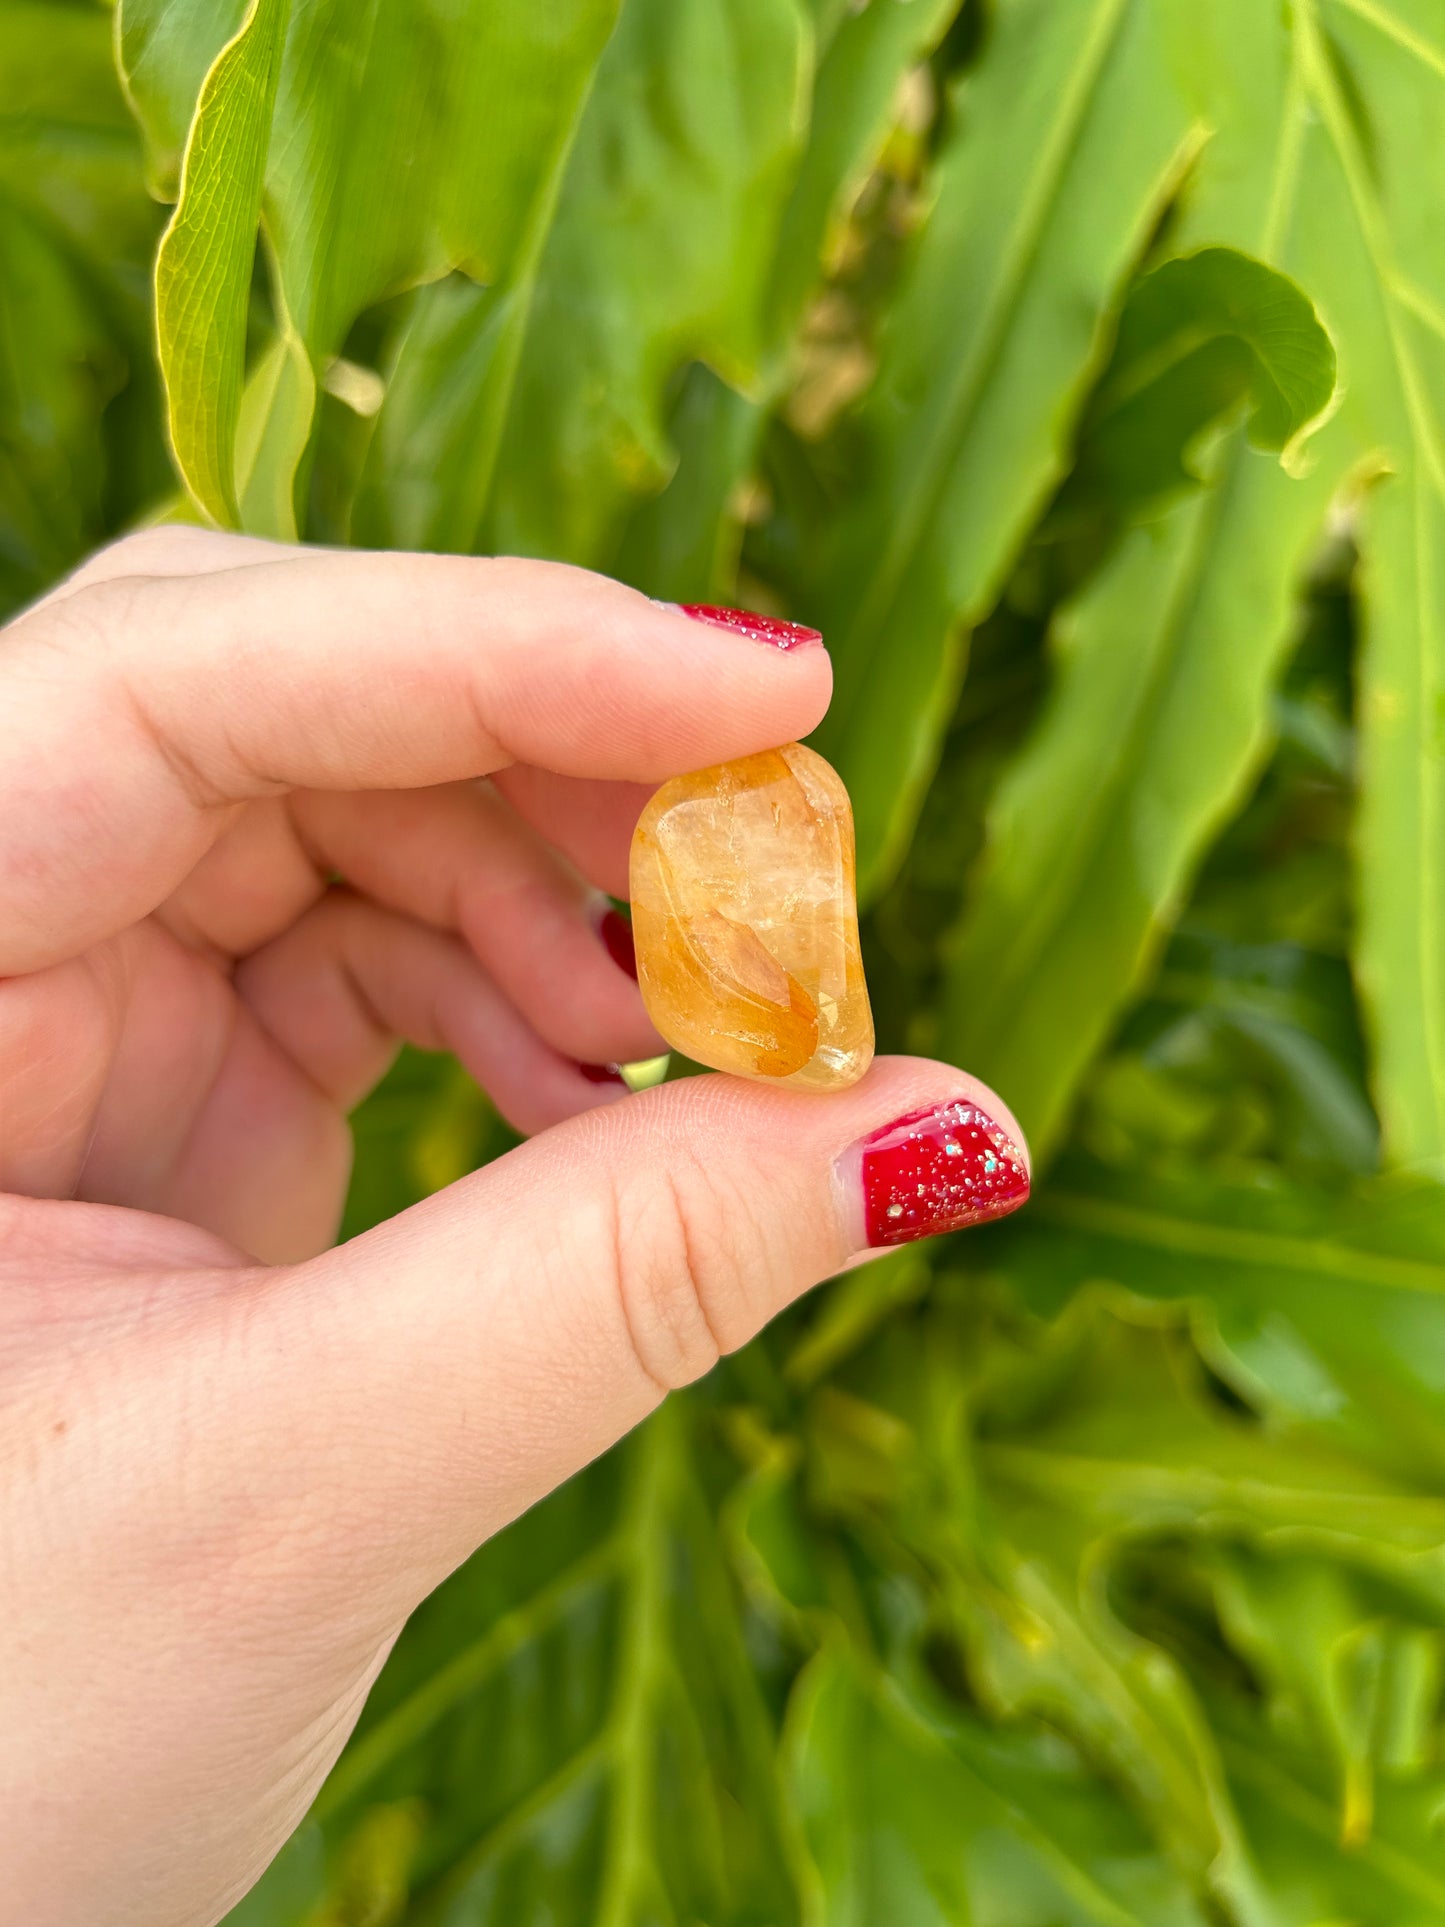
<point>745,917</point>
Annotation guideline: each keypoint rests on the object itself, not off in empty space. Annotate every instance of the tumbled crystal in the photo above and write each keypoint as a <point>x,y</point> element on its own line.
<point>745,919</point>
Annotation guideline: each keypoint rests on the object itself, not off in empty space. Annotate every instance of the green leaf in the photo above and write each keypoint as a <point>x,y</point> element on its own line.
<point>693,132</point>
<point>1341,92</point>
<point>433,458</point>
<point>1327,1311</point>
<point>1158,719</point>
<point>164,54</point>
<point>203,271</point>
<point>1015,1527</point>
<point>918,1816</point>
<point>854,1309</point>
<point>1271,1024</point>
<point>854,93</point>
<point>682,544</point>
<point>386,163</point>
<point>1376,80</point>
<point>1197,337</point>
<point>79,439</point>
<point>1069,136</point>
<point>1216,295</point>
<point>1042,1489</point>
<point>1340,206</point>
<point>1343,1665</point>
<point>273,425</point>
<point>1392,1879</point>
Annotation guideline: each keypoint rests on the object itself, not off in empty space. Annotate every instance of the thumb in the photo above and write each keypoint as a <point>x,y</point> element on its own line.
<point>483,1346</point>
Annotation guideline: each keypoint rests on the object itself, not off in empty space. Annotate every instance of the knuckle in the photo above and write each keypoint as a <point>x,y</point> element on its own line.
<point>153,551</point>
<point>680,1250</point>
<point>84,631</point>
<point>102,613</point>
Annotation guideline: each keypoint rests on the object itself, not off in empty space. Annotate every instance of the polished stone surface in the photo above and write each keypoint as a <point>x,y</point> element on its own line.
<point>745,918</point>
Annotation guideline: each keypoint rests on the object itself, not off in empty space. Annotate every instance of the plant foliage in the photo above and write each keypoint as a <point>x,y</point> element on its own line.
<point>1079,367</point>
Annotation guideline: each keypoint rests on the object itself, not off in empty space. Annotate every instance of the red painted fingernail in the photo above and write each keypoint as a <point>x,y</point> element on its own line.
<point>603,1074</point>
<point>616,934</point>
<point>937,1170</point>
<point>742,622</point>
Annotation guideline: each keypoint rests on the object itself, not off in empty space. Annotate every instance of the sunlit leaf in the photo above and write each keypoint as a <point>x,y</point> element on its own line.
<point>203,272</point>
<point>386,159</point>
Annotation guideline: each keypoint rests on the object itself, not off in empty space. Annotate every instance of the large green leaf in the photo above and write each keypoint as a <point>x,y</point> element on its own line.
<point>683,543</point>
<point>1343,1663</point>
<point>1198,337</point>
<point>433,456</point>
<point>1375,79</point>
<point>1158,719</point>
<point>1391,1879</point>
<point>656,252</point>
<point>1361,85</point>
<point>921,1817</point>
<point>405,141</point>
<point>691,136</point>
<point>1067,137</point>
<point>1328,1311</point>
<point>1013,1558</point>
<point>1057,1484</point>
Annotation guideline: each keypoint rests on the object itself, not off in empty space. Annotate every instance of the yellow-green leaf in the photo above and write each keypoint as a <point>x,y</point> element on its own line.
<point>203,271</point>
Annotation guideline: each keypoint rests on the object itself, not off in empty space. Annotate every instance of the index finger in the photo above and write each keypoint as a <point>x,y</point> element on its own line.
<point>137,709</point>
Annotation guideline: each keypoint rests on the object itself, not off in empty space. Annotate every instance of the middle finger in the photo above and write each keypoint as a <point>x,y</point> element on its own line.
<point>460,858</point>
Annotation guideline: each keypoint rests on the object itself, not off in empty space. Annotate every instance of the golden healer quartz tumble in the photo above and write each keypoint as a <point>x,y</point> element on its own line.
<point>745,919</point>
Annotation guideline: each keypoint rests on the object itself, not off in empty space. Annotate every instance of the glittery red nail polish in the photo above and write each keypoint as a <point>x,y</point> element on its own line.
<point>603,1074</point>
<point>742,622</point>
<point>616,934</point>
<point>938,1170</point>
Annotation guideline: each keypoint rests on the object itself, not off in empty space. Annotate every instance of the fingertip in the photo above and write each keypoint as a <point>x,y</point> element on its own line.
<point>787,659</point>
<point>676,692</point>
<point>772,631</point>
<point>952,1157</point>
<point>916,1148</point>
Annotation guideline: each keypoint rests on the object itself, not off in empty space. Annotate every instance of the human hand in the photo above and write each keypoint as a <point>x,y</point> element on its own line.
<point>233,1460</point>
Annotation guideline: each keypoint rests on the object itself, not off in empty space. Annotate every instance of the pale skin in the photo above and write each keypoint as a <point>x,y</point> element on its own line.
<point>232,1457</point>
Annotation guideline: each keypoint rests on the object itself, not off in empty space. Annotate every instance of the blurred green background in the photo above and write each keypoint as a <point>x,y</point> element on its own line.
<point>1078,367</point>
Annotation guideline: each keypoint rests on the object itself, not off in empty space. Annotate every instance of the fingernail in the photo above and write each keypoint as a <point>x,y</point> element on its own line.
<point>616,934</point>
<point>603,1074</point>
<point>935,1170</point>
<point>742,622</point>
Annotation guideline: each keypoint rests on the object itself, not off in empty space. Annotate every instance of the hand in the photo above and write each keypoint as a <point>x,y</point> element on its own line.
<point>234,1461</point>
